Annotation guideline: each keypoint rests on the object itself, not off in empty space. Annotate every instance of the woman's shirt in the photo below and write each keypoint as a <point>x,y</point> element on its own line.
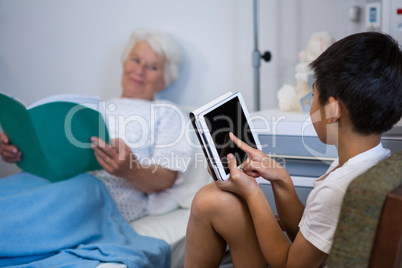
<point>154,130</point>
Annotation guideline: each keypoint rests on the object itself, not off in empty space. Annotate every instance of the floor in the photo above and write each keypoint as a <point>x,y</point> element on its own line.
<point>227,261</point>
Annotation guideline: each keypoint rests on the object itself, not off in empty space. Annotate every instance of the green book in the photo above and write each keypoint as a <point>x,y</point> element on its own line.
<point>54,134</point>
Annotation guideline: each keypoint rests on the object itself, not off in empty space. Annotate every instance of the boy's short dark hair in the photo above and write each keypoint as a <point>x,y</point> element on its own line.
<point>364,72</point>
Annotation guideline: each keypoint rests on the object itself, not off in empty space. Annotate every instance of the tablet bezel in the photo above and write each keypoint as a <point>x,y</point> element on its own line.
<point>206,137</point>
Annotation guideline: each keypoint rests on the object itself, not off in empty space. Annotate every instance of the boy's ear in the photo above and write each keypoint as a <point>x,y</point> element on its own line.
<point>332,110</point>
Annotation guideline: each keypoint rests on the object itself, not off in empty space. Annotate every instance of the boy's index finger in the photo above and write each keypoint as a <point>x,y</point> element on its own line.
<point>242,145</point>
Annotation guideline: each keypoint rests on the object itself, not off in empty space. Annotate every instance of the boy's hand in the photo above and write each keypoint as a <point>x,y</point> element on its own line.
<point>239,182</point>
<point>259,164</point>
<point>9,153</point>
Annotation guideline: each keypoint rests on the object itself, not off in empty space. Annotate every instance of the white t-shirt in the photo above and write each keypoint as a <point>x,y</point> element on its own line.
<point>154,131</point>
<point>320,217</point>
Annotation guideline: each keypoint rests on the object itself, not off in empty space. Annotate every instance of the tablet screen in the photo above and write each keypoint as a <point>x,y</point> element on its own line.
<point>229,117</point>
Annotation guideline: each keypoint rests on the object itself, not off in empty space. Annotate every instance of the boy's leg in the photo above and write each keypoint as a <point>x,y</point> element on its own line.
<point>219,217</point>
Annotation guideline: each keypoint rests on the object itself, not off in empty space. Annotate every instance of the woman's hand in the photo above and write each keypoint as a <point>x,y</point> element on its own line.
<point>114,159</point>
<point>259,164</point>
<point>9,153</point>
<point>119,160</point>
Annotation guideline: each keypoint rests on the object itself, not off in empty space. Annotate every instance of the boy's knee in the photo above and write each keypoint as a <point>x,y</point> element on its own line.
<point>210,201</point>
<point>203,199</point>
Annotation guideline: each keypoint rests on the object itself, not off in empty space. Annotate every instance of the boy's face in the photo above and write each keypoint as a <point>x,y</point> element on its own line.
<point>317,115</point>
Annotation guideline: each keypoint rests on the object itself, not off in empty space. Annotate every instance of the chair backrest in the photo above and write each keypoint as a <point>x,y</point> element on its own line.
<point>387,249</point>
<point>369,231</point>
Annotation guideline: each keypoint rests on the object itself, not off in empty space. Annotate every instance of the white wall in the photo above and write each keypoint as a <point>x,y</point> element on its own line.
<point>51,47</point>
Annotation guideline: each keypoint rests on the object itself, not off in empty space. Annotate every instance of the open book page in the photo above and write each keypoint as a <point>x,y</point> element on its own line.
<point>93,102</point>
<point>88,101</point>
<point>13,97</point>
<point>64,130</point>
<point>17,125</point>
<point>54,137</point>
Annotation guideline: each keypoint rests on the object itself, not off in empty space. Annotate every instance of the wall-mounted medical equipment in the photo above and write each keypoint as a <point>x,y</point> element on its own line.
<point>384,16</point>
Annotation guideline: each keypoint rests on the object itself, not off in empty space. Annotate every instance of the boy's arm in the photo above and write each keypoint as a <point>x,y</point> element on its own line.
<point>288,205</point>
<point>276,248</point>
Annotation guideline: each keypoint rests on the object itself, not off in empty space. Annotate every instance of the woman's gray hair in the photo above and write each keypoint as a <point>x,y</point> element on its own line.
<point>163,45</point>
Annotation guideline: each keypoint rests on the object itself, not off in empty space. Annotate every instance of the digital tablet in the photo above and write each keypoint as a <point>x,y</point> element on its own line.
<point>213,122</point>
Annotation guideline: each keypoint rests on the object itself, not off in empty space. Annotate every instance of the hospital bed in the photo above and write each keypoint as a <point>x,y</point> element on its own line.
<point>171,227</point>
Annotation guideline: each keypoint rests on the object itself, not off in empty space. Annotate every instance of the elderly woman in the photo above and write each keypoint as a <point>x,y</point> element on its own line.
<point>151,63</point>
<point>141,163</point>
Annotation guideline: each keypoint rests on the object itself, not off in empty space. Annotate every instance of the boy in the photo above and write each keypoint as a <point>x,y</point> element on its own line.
<point>357,97</point>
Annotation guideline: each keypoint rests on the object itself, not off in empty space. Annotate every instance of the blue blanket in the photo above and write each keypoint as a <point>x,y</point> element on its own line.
<point>72,223</point>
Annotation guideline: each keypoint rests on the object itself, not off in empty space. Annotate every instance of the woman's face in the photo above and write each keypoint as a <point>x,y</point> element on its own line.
<point>143,73</point>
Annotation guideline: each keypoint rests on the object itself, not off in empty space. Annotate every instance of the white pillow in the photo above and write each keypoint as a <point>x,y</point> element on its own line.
<point>195,177</point>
